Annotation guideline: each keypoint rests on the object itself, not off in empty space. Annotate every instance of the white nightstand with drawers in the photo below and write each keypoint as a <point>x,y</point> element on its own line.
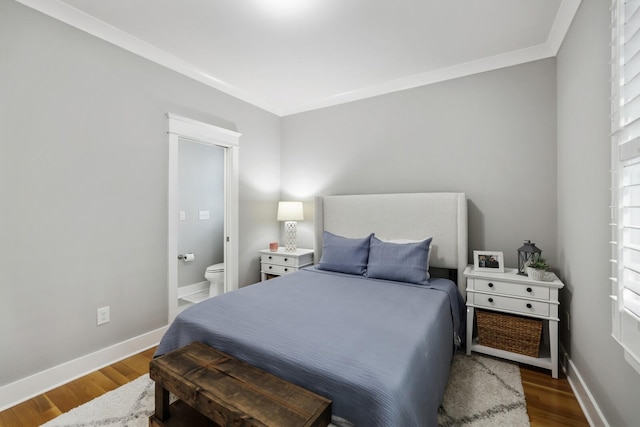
<point>282,262</point>
<point>512,293</point>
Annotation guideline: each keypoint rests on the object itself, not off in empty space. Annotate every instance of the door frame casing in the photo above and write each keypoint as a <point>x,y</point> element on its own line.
<point>193,130</point>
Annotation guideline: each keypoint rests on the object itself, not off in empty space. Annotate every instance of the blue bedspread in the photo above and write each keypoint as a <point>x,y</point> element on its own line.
<point>380,350</point>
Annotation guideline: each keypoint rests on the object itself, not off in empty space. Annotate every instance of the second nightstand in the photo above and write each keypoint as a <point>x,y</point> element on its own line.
<point>282,262</point>
<point>514,294</point>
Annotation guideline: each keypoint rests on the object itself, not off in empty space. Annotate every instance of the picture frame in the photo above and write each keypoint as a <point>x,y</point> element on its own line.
<point>488,261</point>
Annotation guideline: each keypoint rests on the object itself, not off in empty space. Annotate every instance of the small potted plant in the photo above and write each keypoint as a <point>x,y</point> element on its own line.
<point>537,268</point>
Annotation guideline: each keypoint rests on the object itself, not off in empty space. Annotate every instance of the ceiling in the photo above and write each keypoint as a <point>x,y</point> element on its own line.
<point>289,56</point>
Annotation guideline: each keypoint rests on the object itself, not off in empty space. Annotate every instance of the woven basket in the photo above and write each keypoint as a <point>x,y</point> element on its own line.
<point>507,332</point>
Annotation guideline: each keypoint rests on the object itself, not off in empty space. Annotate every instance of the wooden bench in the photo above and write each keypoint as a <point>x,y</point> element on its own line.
<point>214,389</point>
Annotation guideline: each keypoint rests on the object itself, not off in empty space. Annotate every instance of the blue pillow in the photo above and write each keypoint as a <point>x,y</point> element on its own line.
<point>400,262</point>
<point>344,255</point>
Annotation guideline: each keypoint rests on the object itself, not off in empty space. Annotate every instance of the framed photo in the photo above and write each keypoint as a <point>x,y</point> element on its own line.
<point>488,261</point>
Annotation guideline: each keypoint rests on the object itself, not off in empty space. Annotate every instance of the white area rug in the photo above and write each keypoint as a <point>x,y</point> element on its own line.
<point>481,392</point>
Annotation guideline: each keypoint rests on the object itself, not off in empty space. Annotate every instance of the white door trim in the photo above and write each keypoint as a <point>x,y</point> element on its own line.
<point>182,127</point>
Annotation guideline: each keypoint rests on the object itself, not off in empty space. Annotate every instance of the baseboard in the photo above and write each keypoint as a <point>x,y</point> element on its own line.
<point>589,406</point>
<point>193,288</point>
<point>36,384</point>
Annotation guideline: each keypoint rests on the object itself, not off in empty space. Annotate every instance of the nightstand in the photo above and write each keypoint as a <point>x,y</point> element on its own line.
<point>282,262</point>
<point>511,293</point>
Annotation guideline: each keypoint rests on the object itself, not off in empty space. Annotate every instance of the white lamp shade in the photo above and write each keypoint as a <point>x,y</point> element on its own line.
<point>290,211</point>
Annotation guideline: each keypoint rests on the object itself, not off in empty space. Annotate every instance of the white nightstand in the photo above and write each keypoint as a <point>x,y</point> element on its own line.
<point>282,262</point>
<point>511,293</point>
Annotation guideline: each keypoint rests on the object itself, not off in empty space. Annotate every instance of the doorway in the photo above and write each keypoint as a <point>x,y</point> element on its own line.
<point>203,210</point>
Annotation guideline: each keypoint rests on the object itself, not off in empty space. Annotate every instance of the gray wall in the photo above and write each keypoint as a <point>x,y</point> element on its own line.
<point>200,188</point>
<point>583,214</point>
<point>83,187</point>
<point>83,176</point>
<point>491,135</point>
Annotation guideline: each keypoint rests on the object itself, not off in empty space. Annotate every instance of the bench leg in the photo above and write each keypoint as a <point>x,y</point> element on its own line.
<point>162,402</point>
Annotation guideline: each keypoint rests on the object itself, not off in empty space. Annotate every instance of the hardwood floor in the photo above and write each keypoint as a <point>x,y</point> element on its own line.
<point>549,402</point>
<point>49,405</point>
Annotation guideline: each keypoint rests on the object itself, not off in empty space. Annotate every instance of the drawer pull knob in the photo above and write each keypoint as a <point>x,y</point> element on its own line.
<point>529,290</point>
<point>270,257</point>
<point>270,267</point>
<point>529,306</point>
<point>286,269</point>
<point>490,299</point>
<point>491,285</point>
<point>286,259</point>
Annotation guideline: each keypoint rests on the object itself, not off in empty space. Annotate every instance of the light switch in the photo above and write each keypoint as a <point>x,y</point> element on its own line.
<point>183,215</point>
<point>204,214</point>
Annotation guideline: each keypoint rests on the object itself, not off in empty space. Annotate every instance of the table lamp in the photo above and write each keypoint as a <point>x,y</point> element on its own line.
<point>290,212</point>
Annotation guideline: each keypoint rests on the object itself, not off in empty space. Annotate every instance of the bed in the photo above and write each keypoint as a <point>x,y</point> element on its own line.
<point>378,344</point>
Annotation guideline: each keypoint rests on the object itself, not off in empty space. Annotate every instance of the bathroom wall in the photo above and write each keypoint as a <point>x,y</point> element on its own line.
<point>200,189</point>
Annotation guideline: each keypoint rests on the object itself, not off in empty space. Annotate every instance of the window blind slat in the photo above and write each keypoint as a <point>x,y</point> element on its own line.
<point>628,131</point>
<point>631,88</point>
<point>633,285</point>
<point>631,49</point>
<point>632,45</point>
<point>632,25</point>
<point>630,8</point>
<point>632,107</point>
<point>631,172</point>
<point>632,302</point>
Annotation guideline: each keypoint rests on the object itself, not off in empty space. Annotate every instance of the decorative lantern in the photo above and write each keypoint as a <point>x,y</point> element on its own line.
<point>525,255</point>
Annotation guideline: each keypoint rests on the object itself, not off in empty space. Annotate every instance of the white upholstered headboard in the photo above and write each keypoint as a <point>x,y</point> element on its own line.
<point>417,216</point>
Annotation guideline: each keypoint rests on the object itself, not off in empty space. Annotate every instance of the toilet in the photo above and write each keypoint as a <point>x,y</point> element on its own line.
<point>215,275</point>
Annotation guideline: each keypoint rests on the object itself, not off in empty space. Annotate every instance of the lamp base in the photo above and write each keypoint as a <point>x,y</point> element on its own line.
<point>290,232</point>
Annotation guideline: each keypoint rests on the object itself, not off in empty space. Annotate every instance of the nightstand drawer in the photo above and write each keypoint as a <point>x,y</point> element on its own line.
<point>515,289</point>
<point>514,305</point>
<point>283,262</point>
<point>281,259</point>
<point>277,269</point>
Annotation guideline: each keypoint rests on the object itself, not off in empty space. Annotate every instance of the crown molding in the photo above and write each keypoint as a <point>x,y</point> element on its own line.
<point>87,23</point>
<point>561,24</point>
<point>461,70</point>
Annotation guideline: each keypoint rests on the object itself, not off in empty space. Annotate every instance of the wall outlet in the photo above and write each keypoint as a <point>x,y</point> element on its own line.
<point>104,315</point>
<point>203,215</point>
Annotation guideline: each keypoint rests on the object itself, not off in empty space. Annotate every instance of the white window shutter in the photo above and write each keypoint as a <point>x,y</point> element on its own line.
<point>625,176</point>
